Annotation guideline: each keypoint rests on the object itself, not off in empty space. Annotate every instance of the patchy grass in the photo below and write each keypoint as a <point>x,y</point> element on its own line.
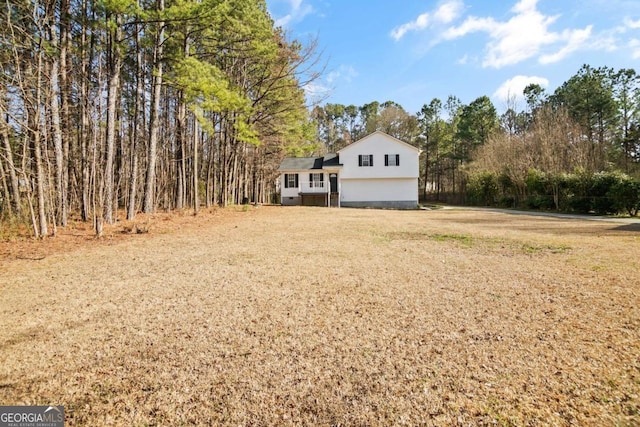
<point>315,316</point>
<point>534,249</point>
<point>468,241</point>
<point>461,238</point>
<point>465,240</point>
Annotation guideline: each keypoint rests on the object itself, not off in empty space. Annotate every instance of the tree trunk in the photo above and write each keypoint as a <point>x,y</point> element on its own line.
<point>196,137</point>
<point>149,194</point>
<point>8,154</point>
<point>85,134</point>
<point>6,199</point>
<point>426,168</point>
<point>114,64</point>
<point>36,126</point>
<point>54,105</point>
<point>65,114</point>
<point>138,107</point>
<point>181,136</point>
<point>40,183</point>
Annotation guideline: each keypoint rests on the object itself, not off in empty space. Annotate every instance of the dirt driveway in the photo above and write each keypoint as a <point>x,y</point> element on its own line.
<point>315,316</point>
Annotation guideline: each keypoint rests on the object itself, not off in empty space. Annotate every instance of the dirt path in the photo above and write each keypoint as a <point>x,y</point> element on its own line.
<point>317,316</point>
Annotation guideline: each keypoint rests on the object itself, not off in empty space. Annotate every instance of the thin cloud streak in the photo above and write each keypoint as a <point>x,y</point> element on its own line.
<point>446,13</point>
<point>299,9</point>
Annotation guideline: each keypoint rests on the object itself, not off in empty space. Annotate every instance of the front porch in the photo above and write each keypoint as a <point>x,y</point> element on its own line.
<point>320,192</point>
<point>318,189</point>
<point>312,187</point>
<point>320,199</point>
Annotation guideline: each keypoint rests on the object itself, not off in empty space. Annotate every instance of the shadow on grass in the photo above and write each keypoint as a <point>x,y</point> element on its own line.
<point>629,227</point>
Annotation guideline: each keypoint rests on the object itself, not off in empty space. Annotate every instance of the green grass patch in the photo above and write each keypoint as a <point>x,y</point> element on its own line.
<point>536,249</point>
<point>460,238</point>
<point>463,239</point>
<point>468,241</point>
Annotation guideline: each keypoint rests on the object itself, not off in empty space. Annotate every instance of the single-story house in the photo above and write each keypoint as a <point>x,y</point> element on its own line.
<point>376,171</point>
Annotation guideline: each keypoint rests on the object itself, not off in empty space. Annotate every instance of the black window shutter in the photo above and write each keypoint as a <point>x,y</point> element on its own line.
<point>397,159</point>
<point>386,160</point>
<point>370,159</point>
<point>310,177</point>
<point>359,159</point>
<point>286,180</point>
<point>296,180</point>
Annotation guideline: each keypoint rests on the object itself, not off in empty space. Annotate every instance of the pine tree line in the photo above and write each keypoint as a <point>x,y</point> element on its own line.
<point>113,107</point>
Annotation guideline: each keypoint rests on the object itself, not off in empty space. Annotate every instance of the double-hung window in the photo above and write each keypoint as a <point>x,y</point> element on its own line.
<point>392,159</point>
<point>290,180</point>
<point>316,180</point>
<point>365,160</point>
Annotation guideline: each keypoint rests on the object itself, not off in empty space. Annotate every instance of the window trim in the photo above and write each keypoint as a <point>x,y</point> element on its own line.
<point>313,180</point>
<point>369,160</point>
<point>287,180</point>
<point>392,159</point>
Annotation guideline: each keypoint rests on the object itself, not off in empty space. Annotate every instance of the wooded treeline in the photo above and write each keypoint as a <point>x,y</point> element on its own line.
<point>550,153</point>
<point>144,105</point>
<point>113,107</point>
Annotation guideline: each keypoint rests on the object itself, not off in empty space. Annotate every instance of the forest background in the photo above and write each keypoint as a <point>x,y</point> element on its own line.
<point>114,107</point>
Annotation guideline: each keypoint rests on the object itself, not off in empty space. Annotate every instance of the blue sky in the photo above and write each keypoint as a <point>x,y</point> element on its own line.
<point>410,51</point>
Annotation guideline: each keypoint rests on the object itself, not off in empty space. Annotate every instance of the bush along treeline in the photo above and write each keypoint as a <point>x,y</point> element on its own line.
<point>603,193</point>
<point>575,149</point>
<point>113,107</point>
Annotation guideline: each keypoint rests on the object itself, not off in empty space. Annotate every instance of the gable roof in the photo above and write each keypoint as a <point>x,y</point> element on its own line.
<point>379,132</point>
<point>309,163</point>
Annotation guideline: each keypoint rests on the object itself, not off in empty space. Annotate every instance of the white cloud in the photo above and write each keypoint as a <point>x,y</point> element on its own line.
<point>525,6</point>
<point>525,35</point>
<point>420,23</point>
<point>298,10</point>
<point>634,45</point>
<point>611,40</point>
<point>513,88</point>
<point>445,13</point>
<point>606,40</point>
<point>630,23</point>
<point>316,92</point>
<point>575,40</point>
<point>449,11</point>
<point>344,72</point>
<point>470,25</point>
<point>463,60</point>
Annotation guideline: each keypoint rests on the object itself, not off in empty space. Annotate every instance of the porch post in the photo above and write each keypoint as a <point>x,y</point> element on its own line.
<point>328,189</point>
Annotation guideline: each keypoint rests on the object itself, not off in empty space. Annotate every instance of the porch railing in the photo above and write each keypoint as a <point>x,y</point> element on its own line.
<point>313,187</point>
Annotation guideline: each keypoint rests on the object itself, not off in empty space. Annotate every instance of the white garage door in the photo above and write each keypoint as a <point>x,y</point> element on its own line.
<point>365,190</point>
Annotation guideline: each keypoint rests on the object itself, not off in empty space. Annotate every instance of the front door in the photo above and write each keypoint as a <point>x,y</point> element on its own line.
<point>333,182</point>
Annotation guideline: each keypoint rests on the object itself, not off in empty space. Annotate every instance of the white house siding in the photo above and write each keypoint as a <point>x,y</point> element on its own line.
<point>378,144</point>
<point>379,185</point>
<point>380,193</point>
<point>289,196</point>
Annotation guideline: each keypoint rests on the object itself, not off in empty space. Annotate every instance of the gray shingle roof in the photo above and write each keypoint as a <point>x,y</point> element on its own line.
<point>309,163</point>
<point>331,159</point>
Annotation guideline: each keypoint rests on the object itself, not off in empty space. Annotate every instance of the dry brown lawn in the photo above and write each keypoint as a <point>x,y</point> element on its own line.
<point>315,316</point>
